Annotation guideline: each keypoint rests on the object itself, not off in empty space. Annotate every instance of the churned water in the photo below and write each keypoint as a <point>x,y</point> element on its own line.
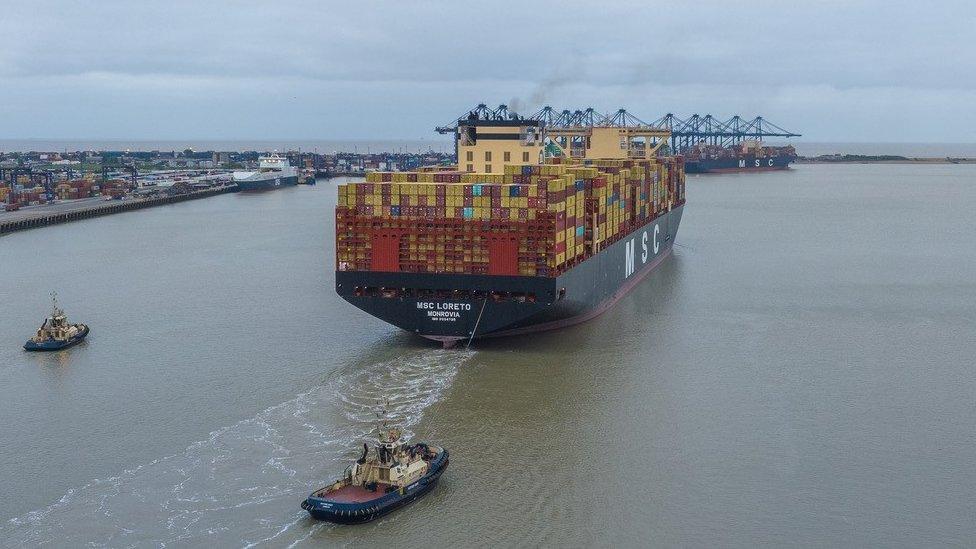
<point>798,373</point>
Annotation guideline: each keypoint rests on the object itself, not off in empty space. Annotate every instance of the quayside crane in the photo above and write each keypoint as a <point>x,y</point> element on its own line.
<point>686,133</point>
<point>571,132</point>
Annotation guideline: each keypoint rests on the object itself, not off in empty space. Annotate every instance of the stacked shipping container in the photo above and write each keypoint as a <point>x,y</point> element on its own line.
<point>67,190</point>
<point>533,220</point>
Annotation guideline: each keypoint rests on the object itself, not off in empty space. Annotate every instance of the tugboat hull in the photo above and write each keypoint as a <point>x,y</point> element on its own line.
<point>55,345</point>
<point>358,512</point>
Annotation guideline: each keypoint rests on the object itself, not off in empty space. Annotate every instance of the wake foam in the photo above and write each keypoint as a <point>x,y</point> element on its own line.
<point>242,485</point>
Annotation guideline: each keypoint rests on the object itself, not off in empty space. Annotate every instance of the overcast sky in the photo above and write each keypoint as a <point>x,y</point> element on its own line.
<point>832,70</point>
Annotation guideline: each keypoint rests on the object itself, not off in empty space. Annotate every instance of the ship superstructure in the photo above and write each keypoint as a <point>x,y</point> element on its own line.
<point>273,171</point>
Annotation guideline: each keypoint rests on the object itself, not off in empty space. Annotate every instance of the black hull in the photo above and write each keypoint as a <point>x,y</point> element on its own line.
<point>266,184</point>
<point>577,295</point>
<point>745,163</point>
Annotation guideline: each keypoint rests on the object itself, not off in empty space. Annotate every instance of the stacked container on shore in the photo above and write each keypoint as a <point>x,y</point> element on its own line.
<point>75,189</point>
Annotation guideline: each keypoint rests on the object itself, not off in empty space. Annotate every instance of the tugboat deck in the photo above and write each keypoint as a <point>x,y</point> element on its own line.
<point>355,494</point>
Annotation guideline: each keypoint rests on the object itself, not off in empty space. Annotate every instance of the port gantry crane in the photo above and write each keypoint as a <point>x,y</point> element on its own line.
<point>12,175</point>
<point>131,168</point>
<point>573,133</point>
<point>711,131</point>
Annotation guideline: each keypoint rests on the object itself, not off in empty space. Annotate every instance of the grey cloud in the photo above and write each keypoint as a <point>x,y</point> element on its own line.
<point>438,58</point>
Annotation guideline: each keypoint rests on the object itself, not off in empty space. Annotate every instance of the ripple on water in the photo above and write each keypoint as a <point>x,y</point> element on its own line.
<point>242,485</point>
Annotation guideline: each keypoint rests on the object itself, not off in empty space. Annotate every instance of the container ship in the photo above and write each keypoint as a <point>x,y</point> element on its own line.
<point>273,171</point>
<point>511,240</point>
<point>746,156</point>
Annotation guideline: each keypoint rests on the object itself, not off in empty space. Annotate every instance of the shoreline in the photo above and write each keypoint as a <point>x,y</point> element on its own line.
<point>28,219</point>
<point>880,159</point>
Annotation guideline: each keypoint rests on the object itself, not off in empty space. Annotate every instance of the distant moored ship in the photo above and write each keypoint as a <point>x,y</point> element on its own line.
<point>749,155</point>
<point>273,171</point>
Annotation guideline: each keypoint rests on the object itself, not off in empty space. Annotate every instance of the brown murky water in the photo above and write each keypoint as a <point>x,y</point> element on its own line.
<point>799,373</point>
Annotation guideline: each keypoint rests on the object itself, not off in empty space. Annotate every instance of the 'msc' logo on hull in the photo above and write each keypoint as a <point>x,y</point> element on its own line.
<point>742,163</point>
<point>630,251</point>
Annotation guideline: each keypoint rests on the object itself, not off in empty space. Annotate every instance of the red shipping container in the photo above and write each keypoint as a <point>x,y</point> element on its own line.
<point>385,252</point>
<point>503,256</point>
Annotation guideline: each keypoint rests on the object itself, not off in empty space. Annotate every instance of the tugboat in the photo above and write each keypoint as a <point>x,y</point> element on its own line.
<point>388,477</point>
<point>56,333</point>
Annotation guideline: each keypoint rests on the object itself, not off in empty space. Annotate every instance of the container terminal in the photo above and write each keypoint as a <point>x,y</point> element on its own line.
<point>44,188</point>
<point>711,145</point>
<point>54,187</point>
<point>539,226</point>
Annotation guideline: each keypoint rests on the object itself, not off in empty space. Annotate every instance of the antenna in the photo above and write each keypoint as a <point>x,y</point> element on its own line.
<point>54,304</point>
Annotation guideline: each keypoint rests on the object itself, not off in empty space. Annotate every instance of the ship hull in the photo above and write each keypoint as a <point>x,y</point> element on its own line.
<point>247,185</point>
<point>55,345</point>
<point>430,306</point>
<point>745,163</point>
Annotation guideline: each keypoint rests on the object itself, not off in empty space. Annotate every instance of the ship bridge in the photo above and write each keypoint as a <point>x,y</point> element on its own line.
<point>485,140</point>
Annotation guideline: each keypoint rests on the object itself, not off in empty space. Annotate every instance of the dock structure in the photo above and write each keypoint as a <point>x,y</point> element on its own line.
<point>687,133</point>
<point>29,220</point>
